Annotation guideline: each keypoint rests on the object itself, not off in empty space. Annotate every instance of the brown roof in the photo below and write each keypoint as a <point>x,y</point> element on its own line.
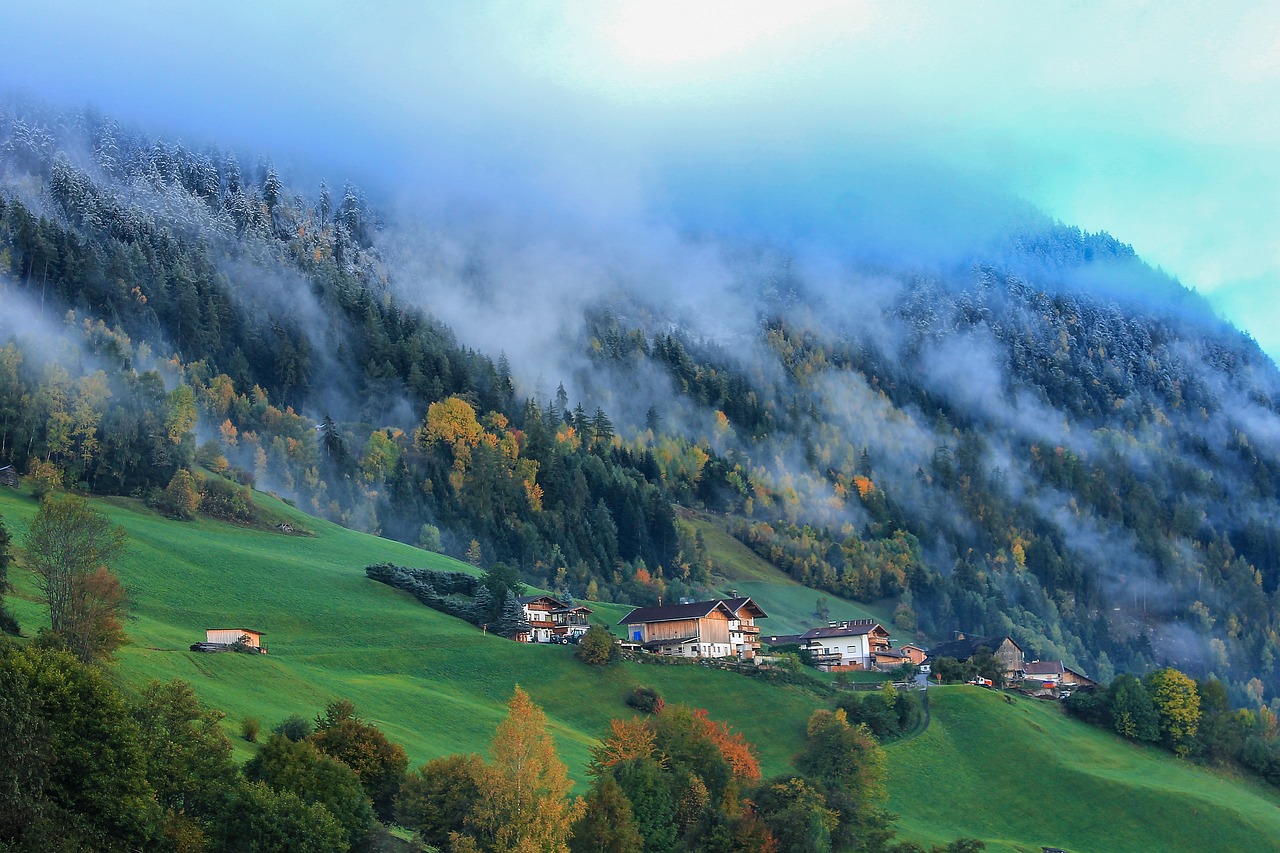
<point>1044,667</point>
<point>856,628</point>
<point>529,599</point>
<point>968,647</point>
<point>672,612</point>
<point>889,653</point>
<point>736,604</point>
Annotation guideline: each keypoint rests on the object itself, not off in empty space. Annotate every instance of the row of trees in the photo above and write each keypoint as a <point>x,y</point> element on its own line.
<point>1192,718</point>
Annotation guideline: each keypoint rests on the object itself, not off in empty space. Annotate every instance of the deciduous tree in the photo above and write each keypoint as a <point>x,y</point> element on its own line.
<point>436,798</point>
<point>1177,704</point>
<point>70,544</point>
<point>378,763</point>
<point>525,805</point>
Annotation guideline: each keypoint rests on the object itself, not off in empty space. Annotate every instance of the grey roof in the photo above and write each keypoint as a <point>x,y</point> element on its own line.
<point>1044,667</point>
<point>671,612</point>
<point>967,648</point>
<point>855,628</point>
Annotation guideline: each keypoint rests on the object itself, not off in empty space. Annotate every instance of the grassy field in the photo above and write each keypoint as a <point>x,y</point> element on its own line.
<point>1021,776</point>
<point>790,605</point>
<point>432,682</point>
<point>1016,775</point>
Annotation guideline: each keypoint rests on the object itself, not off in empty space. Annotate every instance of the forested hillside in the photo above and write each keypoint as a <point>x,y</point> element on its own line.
<point>1044,437</point>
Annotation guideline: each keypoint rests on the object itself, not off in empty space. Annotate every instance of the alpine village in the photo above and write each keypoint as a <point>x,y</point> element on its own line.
<point>501,498</point>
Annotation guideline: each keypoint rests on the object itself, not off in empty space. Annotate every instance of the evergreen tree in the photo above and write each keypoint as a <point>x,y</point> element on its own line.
<point>8,624</point>
<point>606,824</point>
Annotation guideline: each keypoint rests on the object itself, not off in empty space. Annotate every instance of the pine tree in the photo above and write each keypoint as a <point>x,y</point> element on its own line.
<point>511,621</point>
<point>8,624</point>
<point>606,825</point>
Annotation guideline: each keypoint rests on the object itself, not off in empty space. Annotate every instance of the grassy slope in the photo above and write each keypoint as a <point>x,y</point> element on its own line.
<point>789,604</point>
<point>1017,775</point>
<point>1023,776</point>
<point>432,682</point>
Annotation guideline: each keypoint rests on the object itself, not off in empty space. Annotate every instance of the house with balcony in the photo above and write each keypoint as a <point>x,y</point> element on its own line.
<point>717,628</point>
<point>744,633</point>
<point>848,645</point>
<point>552,620</point>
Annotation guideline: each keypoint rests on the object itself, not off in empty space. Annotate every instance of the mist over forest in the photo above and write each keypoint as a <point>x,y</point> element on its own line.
<point>896,388</point>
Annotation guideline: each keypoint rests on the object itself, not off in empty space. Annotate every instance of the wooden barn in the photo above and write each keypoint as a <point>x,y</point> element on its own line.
<point>9,476</point>
<point>222,639</point>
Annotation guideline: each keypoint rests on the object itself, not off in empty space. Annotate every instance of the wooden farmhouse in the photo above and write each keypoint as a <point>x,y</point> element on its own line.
<point>846,645</point>
<point>914,653</point>
<point>710,629</point>
<point>552,620</point>
<point>1005,650</point>
<point>1054,675</point>
<point>887,660</point>
<point>222,639</point>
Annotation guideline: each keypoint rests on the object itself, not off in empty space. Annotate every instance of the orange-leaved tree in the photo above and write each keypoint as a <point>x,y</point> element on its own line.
<point>525,805</point>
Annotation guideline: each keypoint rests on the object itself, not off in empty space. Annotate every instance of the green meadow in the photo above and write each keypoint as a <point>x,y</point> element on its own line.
<point>1023,775</point>
<point>1018,775</point>
<point>790,604</point>
<point>432,682</point>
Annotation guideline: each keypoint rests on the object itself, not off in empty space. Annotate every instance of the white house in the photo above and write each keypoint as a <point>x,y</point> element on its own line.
<point>552,620</point>
<point>852,644</point>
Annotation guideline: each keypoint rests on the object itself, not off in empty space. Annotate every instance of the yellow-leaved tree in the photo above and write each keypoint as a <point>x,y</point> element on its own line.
<point>525,805</point>
<point>1178,705</point>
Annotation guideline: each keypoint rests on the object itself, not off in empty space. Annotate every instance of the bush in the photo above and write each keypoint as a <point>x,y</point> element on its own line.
<point>224,500</point>
<point>597,646</point>
<point>44,478</point>
<point>645,699</point>
<point>294,727</point>
<point>249,729</point>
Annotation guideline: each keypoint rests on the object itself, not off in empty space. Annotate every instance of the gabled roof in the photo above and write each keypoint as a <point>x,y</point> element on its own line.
<point>1077,673</point>
<point>968,647</point>
<point>856,628</point>
<point>672,612</point>
<point>736,604</point>
<point>550,599</point>
<point>241,630</point>
<point>782,640</point>
<point>1044,667</point>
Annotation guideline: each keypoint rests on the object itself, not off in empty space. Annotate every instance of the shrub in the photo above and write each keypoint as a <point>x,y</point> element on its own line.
<point>294,727</point>
<point>224,500</point>
<point>44,478</point>
<point>597,646</point>
<point>644,699</point>
<point>249,729</point>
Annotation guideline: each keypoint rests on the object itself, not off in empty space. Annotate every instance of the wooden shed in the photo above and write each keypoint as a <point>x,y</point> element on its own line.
<point>227,637</point>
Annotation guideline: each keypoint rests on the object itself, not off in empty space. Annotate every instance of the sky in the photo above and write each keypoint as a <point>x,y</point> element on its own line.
<point>1156,122</point>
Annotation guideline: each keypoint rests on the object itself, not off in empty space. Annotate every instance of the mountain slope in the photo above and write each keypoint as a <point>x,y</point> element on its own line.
<point>432,682</point>
<point>1039,435</point>
<point>1024,776</point>
<point>1016,775</point>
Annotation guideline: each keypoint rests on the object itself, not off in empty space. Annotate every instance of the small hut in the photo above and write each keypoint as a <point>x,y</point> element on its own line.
<point>224,639</point>
<point>9,476</point>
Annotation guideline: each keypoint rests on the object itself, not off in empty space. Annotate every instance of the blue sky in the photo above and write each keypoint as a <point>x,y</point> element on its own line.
<point>1154,121</point>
